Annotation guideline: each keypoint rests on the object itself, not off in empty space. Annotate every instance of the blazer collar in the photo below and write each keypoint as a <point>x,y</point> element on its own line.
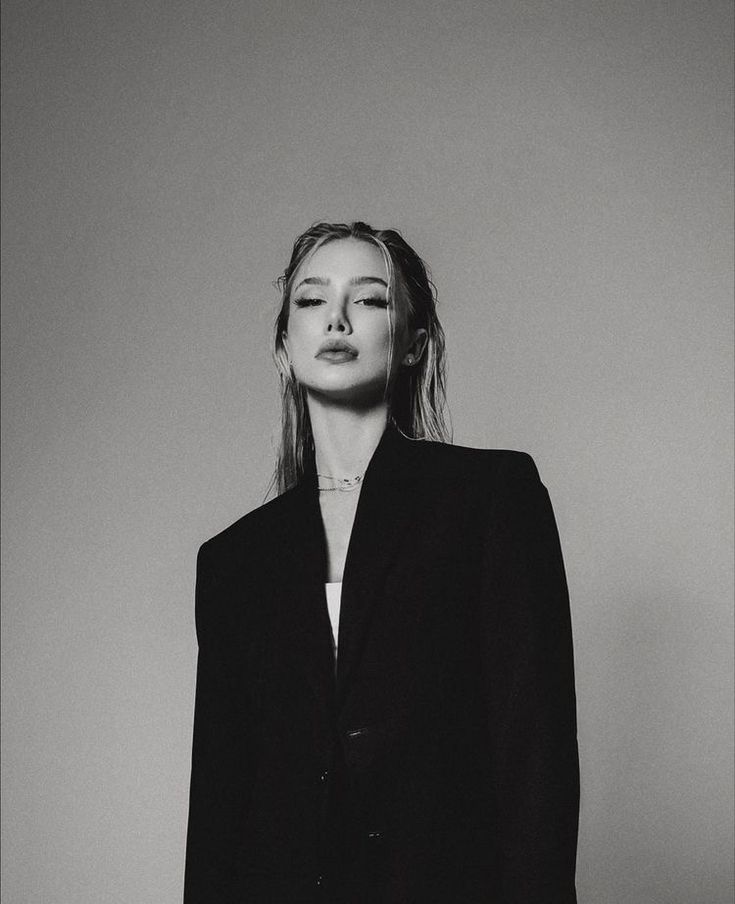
<point>382,522</point>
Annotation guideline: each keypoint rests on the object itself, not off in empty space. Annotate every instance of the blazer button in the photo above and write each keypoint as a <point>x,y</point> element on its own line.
<point>324,776</point>
<point>374,836</point>
<point>356,733</point>
<point>319,880</point>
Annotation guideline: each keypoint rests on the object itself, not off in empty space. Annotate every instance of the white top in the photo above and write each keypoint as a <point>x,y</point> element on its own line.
<point>334,597</point>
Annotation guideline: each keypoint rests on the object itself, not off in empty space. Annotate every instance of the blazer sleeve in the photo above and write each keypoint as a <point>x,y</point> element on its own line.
<point>215,801</point>
<point>529,683</point>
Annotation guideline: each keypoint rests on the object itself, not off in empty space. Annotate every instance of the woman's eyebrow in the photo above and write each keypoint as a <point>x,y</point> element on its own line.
<point>312,281</point>
<point>364,280</point>
<point>355,281</point>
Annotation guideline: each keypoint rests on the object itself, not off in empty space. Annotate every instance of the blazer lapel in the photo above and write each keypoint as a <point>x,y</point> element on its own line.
<point>307,620</point>
<point>382,521</point>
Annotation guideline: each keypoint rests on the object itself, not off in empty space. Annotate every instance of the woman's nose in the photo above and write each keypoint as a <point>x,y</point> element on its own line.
<point>338,321</point>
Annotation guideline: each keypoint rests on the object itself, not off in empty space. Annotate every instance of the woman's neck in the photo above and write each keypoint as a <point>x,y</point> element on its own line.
<point>345,438</point>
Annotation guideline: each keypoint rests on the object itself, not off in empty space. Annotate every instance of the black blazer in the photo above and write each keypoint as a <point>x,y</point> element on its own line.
<point>438,762</point>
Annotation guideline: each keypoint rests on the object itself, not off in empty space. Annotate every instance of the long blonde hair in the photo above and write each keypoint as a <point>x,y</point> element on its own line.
<point>418,395</point>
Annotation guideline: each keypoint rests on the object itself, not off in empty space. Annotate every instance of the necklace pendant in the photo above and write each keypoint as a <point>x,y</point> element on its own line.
<point>339,484</point>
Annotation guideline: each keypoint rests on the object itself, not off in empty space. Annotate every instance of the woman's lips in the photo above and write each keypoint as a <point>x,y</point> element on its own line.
<point>337,355</point>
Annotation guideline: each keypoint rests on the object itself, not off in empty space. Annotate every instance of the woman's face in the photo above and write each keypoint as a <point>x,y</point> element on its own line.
<point>338,338</point>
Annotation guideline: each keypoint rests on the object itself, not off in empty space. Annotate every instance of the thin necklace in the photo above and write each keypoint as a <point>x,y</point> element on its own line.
<point>341,484</point>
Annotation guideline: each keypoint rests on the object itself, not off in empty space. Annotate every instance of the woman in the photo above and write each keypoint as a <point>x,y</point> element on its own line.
<point>385,703</point>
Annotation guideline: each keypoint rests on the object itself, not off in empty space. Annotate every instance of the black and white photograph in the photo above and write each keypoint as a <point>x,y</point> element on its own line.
<point>367,452</point>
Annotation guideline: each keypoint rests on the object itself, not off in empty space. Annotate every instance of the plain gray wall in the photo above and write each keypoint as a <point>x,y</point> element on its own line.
<point>566,170</point>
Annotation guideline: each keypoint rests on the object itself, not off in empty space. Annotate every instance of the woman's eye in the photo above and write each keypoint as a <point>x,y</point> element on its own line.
<point>307,302</point>
<point>376,302</point>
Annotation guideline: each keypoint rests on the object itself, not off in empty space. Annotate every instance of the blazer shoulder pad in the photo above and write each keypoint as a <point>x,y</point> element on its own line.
<point>485,464</point>
<point>254,524</point>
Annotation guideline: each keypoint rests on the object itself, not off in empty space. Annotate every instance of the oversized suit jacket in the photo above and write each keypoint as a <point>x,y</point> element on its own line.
<point>436,760</point>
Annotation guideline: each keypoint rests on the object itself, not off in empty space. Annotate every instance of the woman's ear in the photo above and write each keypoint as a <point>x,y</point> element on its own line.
<point>415,349</point>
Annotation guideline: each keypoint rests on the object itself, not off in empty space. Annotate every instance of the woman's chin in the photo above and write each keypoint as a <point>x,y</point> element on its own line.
<point>353,395</point>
